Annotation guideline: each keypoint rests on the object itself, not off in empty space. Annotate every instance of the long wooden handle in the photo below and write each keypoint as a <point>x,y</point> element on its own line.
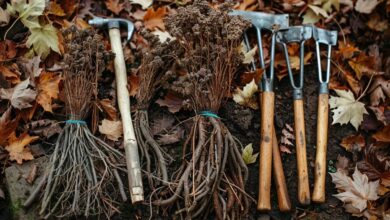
<point>322,139</point>
<point>129,140</point>
<point>279,178</point>
<point>267,124</point>
<point>300,140</point>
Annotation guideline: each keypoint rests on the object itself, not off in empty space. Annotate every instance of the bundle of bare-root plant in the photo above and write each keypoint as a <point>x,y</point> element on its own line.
<point>82,174</point>
<point>154,72</point>
<point>212,176</point>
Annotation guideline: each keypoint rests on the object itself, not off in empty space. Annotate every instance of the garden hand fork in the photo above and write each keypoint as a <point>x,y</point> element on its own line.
<point>328,38</point>
<point>262,21</point>
<point>129,141</point>
<point>298,34</point>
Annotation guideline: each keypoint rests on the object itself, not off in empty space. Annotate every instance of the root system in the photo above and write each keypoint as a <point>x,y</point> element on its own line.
<point>82,175</point>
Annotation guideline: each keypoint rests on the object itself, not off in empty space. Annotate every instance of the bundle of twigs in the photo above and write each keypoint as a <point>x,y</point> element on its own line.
<point>153,73</point>
<point>82,174</point>
<point>212,176</point>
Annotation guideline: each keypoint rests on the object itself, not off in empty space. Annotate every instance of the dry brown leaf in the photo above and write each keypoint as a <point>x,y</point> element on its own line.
<point>247,77</point>
<point>353,83</point>
<point>112,129</point>
<point>115,6</point>
<point>18,149</point>
<point>342,164</point>
<point>383,135</point>
<point>20,96</point>
<point>366,6</point>
<point>154,19</point>
<point>133,84</point>
<point>172,101</point>
<point>347,50</point>
<point>110,110</point>
<point>10,74</point>
<point>56,9</point>
<point>357,191</point>
<point>353,143</point>
<point>363,65</point>
<point>375,23</point>
<point>7,50</point>
<point>379,90</point>
<point>246,5</point>
<point>8,124</point>
<point>48,89</point>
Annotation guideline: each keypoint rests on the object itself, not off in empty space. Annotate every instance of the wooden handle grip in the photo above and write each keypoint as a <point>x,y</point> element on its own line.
<point>267,124</point>
<point>279,178</point>
<point>129,139</point>
<point>322,139</point>
<point>300,140</point>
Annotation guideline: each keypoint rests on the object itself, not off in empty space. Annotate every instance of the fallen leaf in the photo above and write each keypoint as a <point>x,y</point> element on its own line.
<point>375,23</point>
<point>346,109</point>
<point>154,19</point>
<point>248,55</point>
<point>366,6</point>
<point>347,50</point>
<point>353,83</point>
<point>8,125</point>
<point>342,164</point>
<point>133,84</point>
<point>379,90</point>
<point>245,97</point>
<point>383,135</point>
<point>172,101</point>
<point>18,149</point>
<point>163,36</point>
<point>110,110</point>
<point>7,50</point>
<point>56,9</point>
<point>318,10</point>
<point>112,129</point>
<point>310,17</point>
<point>20,96</point>
<point>171,137</point>
<point>247,77</point>
<point>43,39</point>
<point>363,65</point>
<point>86,8</point>
<point>4,17</point>
<point>28,13</point>
<point>246,5</point>
<point>48,89</point>
<point>287,139</point>
<point>357,191</point>
<point>10,73</point>
<point>329,5</point>
<point>144,3</point>
<point>115,6</point>
<point>44,128</point>
<point>353,143</point>
<point>248,156</point>
<point>32,66</point>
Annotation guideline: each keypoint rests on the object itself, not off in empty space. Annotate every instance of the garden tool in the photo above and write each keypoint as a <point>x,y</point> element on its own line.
<point>129,140</point>
<point>328,38</point>
<point>272,23</point>
<point>298,34</point>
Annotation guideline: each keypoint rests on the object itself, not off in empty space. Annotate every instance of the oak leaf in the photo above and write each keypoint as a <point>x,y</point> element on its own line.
<point>43,39</point>
<point>18,149</point>
<point>366,6</point>
<point>245,97</point>
<point>112,129</point>
<point>144,3</point>
<point>357,191</point>
<point>48,89</point>
<point>154,19</point>
<point>346,109</point>
<point>115,6</point>
<point>247,154</point>
<point>20,96</point>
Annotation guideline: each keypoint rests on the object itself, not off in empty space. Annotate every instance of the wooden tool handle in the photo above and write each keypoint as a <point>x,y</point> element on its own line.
<point>129,140</point>
<point>322,139</point>
<point>279,178</point>
<point>267,124</point>
<point>300,140</point>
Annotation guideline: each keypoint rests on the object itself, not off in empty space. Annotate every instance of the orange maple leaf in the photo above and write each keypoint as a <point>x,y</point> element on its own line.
<point>154,19</point>
<point>47,89</point>
<point>7,126</point>
<point>17,148</point>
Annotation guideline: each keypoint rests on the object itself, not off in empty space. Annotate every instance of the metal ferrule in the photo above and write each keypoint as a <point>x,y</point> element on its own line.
<point>297,94</point>
<point>113,24</point>
<point>267,85</point>
<point>324,89</point>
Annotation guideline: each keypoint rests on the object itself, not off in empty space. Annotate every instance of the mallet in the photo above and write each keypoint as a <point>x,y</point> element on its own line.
<point>328,38</point>
<point>129,140</point>
<point>298,34</point>
<point>262,21</point>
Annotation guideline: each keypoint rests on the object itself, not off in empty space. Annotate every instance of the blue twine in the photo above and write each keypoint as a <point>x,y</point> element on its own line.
<point>209,114</point>
<point>76,122</point>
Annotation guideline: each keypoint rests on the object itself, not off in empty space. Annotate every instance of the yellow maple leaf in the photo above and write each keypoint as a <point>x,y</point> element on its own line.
<point>248,156</point>
<point>246,96</point>
<point>43,39</point>
<point>17,148</point>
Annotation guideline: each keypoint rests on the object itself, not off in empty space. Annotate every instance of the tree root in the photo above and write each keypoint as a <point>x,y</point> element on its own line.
<point>80,176</point>
<point>206,182</point>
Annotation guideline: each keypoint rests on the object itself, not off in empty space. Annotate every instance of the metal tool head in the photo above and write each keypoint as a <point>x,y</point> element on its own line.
<point>328,38</point>
<point>294,34</point>
<point>263,20</point>
<point>297,34</point>
<point>113,23</point>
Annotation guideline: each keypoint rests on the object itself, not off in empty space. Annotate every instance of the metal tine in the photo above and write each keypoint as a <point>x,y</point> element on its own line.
<point>328,38</point>
<point>270,22</point>
<point>297,34</point>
